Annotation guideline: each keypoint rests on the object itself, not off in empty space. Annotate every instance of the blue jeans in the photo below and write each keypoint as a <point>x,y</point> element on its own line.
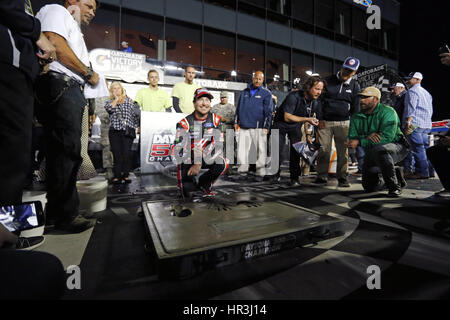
<point>419,145</point>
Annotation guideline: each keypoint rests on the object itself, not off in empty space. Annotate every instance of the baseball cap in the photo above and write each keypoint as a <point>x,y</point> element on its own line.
<point>202,92</point>
<point>398,84</point>
<point>371,92</point>
<point>416,75</point>
<point>124,43</point>
<point>351,63</point>
<point>224,94</point>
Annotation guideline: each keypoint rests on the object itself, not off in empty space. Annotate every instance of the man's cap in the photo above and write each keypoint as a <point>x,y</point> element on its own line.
<point>224,94</point>
<point>124,43</point>
<point>398,84</point>
<point>416,75</point>
<point>202,92</point>
<point>351,63</point>
<point>371,92</point>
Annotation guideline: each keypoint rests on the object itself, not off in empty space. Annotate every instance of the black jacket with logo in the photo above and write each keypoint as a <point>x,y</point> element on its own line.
<point>339,100</point>
<point>19,32</point>
<point>296,104</point>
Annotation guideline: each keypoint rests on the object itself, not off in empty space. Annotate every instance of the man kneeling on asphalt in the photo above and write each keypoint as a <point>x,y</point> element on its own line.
<point>377,129</point>
<point>200,134</point>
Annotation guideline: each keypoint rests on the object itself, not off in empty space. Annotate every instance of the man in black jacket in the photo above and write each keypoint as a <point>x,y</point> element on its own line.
<point>298,107</point>
<point>399,102</point>
<point>20,39</point>
<point>339,102</point>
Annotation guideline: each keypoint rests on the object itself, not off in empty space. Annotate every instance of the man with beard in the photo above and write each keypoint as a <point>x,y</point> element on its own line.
<point>377,129</point>
<point>61,105</point>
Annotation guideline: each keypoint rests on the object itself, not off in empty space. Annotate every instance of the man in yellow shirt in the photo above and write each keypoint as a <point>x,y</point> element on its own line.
<point>153,98</point>
<point>183,92</point>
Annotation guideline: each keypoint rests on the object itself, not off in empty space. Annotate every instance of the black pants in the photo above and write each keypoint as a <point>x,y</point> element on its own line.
<point>30,275</point>
<point>207,179</point>
<point>295,135</point>
<point>60,110</point>
<point>439,157</point>
<point>121,150</point>
<point>16,114</point>
<point>384,157</point>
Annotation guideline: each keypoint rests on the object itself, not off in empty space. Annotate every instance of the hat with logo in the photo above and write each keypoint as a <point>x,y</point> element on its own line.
<point>398,84</point>
<point>224,94</point>
<point>370,92</point>
<point>351,63</point>
<point>416,75</point>
<point>202,92</point>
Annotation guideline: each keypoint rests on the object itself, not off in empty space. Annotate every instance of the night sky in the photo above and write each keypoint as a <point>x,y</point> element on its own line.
<point>424,27</point>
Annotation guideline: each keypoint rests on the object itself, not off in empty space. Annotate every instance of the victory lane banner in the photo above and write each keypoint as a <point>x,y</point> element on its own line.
<point>381,77</point>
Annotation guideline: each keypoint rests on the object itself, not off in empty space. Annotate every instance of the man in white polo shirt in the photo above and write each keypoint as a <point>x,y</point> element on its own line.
<point>61,105</point>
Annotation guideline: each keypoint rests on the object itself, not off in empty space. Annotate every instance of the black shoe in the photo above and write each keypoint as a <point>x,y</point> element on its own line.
<point>319,182</point>
<point>258,179</point>
<point>77,225</point>
<point>29,243</point>
<point>394,193</point>
<point>343,183</point>
<point>126,180</point>
<point>116,181</point>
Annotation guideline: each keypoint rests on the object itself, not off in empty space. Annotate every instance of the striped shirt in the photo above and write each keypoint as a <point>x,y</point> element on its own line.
<point>123,114</point>
<point>418,106</point>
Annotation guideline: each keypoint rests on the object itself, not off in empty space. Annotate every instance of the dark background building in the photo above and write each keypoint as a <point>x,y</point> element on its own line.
<point>285,38</point>
<point>425,27</point>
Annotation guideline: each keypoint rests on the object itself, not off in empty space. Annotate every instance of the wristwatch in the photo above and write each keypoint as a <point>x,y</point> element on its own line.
<point>90,73</point>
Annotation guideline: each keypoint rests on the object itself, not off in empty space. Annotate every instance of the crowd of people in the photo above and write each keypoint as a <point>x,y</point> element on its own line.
<point>46,57</point>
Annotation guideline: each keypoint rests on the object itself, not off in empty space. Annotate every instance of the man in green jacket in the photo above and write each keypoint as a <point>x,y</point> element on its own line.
<point>377,129</point>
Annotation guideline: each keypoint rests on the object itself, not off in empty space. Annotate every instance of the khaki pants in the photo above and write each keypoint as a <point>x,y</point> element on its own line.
<point>338,130</point>
<point>259,139</point>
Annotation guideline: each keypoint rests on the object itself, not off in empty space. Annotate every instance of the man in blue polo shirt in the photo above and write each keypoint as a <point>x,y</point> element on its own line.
<point>252,122</point>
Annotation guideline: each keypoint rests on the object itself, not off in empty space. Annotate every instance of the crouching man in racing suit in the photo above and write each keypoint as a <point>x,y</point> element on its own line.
<point>198,143</point>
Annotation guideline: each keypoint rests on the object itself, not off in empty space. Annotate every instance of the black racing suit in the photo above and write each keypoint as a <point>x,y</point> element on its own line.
<point>207,135</point>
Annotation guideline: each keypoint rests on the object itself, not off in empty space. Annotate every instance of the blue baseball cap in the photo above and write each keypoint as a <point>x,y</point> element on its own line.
<point>351,63</point>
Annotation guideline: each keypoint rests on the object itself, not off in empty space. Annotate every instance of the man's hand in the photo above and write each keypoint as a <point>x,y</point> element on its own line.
<point>47,52</point>
<point>94,79</point>
<point>409,129</point>
<point>313,121</point>
<point>374,137</point>
<point>265,131</point>
<point>194,170</point>
<point>322,124</point>
<point>445,58</point>
<point>236,127</point>
<point>353,144</point>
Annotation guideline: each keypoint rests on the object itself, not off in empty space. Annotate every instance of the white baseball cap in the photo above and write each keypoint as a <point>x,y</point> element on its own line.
<point>398,84</point>
<point>416,75</point>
